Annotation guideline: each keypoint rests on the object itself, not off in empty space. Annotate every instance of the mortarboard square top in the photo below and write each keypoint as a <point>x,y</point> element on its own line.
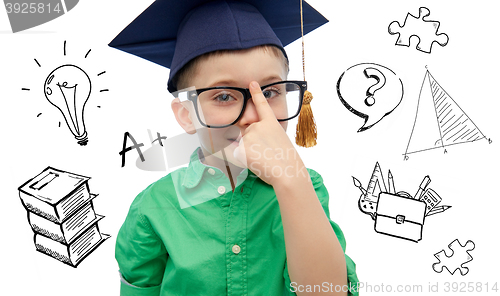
<point>173,32</point>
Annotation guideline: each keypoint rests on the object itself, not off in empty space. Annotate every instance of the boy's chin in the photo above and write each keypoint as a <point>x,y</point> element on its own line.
<point>237,163</point>
<point>229,153</point>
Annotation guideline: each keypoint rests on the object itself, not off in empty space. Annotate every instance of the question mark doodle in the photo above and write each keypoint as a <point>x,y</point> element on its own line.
<point>370,92</point>
<point>356,90</point>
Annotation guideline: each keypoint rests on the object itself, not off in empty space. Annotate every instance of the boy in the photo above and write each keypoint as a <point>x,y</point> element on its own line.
<point>245,217</point>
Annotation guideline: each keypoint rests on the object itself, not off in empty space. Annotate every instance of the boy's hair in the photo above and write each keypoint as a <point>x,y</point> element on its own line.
<point>181,80</point>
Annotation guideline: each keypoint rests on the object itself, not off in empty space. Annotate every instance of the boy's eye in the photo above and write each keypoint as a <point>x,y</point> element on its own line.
<point>270,93</point>
<point>223,97</point>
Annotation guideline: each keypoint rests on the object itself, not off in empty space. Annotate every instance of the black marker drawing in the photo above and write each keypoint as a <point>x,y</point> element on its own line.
<point>61,214</point>
<point>155,159</point>
<point>398,214</point>
<point>459,256</point>
<point>370,91</point>
<point>68,88</point>
<point>425,30</point>
<point>439,120</point>
<point>70,97</point>
<point>159,138</point>
<point>163,152</point>
<point>126,149</point>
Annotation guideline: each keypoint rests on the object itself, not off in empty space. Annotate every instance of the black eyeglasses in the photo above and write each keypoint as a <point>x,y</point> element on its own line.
<point>223,106</point>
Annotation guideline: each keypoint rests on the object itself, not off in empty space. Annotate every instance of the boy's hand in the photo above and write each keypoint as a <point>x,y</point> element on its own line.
<point>265,147</point>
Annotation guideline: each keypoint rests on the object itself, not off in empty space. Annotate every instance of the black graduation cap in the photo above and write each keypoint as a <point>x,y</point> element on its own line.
<point>173,32</point>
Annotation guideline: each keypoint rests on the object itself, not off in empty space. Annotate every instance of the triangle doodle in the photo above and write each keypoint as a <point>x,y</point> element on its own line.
<point>451,125</point>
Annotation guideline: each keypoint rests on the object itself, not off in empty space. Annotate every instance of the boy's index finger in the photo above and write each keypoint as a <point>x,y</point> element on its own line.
<point>260,102</point>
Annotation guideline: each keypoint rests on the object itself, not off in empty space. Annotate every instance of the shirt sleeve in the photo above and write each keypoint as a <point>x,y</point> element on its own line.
<point>352,278</point>
<point>140,254</point>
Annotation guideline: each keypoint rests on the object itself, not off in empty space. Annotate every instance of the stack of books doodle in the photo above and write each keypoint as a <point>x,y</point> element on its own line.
<point>61,214</point>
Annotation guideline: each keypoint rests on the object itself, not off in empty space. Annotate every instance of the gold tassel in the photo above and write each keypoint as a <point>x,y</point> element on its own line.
<point>306,127</point>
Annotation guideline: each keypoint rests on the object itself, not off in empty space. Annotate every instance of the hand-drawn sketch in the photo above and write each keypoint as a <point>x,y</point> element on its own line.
<point>61,215</point>
<point>459,256</point>
<point>370,91</point>
<point>398,214</point>
<point>425,30</point>
<point>68,88</point>
<point>151,159</point>
<point>70,97</point>
<point>24,15</point>
<point>439,120</point>
<point>126,149</point>
<point>165,153</point>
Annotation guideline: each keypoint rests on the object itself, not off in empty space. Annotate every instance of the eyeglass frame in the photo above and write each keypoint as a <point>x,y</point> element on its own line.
<point>192,95</point>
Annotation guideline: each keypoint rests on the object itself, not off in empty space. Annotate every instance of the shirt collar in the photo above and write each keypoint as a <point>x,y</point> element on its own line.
<point>197,168</point>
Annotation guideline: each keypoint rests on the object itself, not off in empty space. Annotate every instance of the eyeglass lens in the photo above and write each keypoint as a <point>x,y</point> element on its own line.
<point>219,107</point>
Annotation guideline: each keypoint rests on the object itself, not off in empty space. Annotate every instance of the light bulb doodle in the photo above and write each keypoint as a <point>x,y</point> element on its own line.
<point>68,88</point>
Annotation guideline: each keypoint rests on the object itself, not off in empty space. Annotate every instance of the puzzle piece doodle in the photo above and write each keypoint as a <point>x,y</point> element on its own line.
<point>459,256</point>
<point>425,30</point>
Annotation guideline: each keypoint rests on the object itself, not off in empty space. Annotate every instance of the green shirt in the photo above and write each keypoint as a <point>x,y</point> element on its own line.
<point>189,234</point>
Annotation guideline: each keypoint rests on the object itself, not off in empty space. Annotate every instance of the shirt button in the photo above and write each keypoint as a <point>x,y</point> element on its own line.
<point>221,189</point>
<point>211,171</point>
<point>236,249</point>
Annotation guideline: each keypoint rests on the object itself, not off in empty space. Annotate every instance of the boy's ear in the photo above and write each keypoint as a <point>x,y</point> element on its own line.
<point>183,116</point>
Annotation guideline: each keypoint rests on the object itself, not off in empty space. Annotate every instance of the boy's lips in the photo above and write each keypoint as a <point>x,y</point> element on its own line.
<point>235,140</point>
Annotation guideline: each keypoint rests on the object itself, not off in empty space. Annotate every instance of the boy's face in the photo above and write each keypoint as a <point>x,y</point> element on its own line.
<point>237,69</point>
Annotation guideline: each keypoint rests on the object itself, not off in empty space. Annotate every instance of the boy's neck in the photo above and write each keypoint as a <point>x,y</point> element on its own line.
<point>230,170</point>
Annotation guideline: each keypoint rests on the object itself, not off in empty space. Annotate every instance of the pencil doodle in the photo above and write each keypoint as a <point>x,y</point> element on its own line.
<point>397,213</point>
<point>439,121</point>
<point>370,91</point>
<point>24,15</point>
<point>61,214</point>
<point>425,30</point>
<point>459,256</point>
<point>68,88</point>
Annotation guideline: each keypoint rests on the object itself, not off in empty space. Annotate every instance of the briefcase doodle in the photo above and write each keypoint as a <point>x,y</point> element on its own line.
<point>400,216</point>
<point>398,213</point>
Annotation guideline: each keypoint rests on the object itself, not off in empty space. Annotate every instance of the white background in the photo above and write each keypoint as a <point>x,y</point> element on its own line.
<point>466,177</point>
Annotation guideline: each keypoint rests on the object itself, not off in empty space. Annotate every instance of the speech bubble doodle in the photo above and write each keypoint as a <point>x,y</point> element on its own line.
<point>370,91</point>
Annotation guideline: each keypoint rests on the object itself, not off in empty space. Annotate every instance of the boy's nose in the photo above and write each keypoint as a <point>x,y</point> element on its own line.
<point>250,114</point>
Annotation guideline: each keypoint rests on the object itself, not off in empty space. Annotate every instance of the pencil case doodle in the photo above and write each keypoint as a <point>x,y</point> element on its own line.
<point>398,214</point>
